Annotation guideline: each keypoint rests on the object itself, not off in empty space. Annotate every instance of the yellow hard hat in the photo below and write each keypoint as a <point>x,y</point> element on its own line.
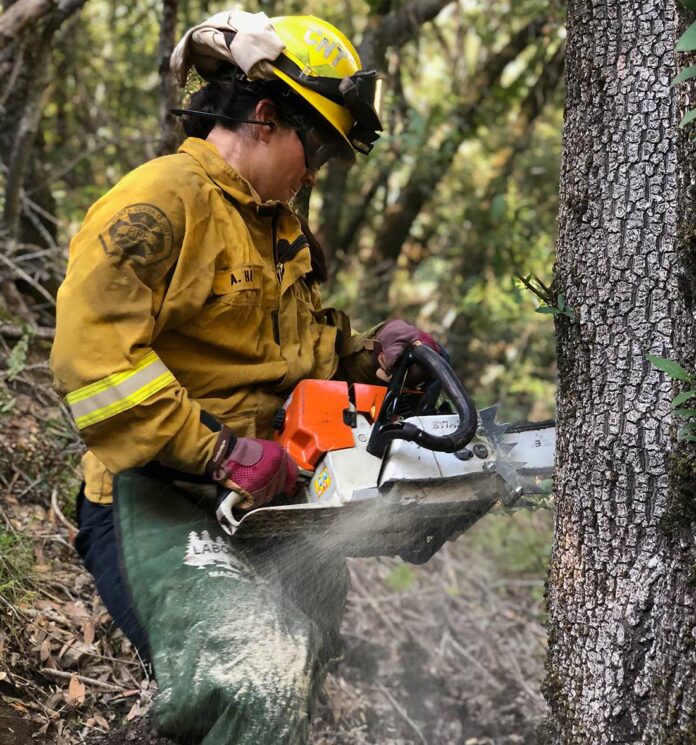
<point>321,65</point>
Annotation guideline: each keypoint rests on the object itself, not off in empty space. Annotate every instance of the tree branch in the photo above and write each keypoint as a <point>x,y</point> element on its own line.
<point>14,20</point>
<point>21,274</point>
<point>396,29</point>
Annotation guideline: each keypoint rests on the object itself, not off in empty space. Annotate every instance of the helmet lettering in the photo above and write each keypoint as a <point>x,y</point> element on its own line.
<point>326,46</point>
<point>340,54</point>
<point>312,37</point>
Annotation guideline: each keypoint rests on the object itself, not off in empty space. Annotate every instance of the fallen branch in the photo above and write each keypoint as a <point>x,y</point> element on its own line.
<point>111,687</point>
<point>400,710</point>
<point>13,331</point>
<point>30,280</point>
<point>58,513</point>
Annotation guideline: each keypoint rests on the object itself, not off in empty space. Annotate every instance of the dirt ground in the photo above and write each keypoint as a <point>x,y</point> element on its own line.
<point>446,653</point>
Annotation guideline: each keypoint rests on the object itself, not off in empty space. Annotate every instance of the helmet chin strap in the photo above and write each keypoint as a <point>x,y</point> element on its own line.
<point>220,117</point>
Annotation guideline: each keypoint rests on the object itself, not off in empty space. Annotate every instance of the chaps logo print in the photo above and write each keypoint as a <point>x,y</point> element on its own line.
<point>203,551</point>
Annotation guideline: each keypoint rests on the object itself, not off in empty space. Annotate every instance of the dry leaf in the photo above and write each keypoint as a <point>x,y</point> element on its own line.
<point>88,633</point>
<point>75,653</point>
<point>65,647</point>
<point>45,650</point>
<point>76,691</point>
<point>77,612</point>
<point>134,712</point>
<point>99,719</point>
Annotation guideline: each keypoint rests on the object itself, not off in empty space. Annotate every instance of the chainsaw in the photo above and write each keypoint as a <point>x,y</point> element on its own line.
<point>390,471</point>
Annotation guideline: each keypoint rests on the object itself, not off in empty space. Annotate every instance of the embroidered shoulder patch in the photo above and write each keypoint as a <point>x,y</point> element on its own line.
<point>139,232</point>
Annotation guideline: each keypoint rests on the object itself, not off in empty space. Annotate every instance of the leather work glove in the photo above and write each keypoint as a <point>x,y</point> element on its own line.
<point>257,469</point>
<point>390,342</point>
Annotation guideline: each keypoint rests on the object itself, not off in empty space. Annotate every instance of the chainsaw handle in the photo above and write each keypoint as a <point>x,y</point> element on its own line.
<point>385,431</point>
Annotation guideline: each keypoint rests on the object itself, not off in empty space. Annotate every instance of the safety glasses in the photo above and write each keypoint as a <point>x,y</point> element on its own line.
<point>318,143</point>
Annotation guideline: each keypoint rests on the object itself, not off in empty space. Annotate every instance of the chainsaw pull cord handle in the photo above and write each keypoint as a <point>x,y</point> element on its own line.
<point>385,431</point>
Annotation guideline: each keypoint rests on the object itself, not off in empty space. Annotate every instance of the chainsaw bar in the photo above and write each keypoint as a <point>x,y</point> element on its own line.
<point>413,499</point>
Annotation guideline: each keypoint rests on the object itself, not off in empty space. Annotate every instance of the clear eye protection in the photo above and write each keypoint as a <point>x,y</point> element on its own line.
<point>318,143</point>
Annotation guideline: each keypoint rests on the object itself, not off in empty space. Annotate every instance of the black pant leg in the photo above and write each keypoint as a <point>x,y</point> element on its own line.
<point>96,543</point>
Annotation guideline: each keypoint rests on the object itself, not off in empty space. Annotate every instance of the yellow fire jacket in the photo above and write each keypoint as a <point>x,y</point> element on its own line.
<point>188,303</point>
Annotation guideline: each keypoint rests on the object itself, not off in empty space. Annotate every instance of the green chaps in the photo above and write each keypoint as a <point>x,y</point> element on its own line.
<point>240,633</point>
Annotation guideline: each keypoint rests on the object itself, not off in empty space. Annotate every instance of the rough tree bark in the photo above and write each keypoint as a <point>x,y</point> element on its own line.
<point>171,132</point>
<point>622,598</point>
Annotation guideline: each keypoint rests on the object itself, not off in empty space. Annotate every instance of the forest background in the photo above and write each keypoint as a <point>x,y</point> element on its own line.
<point>455,204</point>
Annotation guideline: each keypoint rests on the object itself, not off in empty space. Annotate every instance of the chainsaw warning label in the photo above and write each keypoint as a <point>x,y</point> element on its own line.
<point>321,483</point>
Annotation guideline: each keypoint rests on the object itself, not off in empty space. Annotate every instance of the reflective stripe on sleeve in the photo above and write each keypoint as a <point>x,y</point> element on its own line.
<point>118,392</point>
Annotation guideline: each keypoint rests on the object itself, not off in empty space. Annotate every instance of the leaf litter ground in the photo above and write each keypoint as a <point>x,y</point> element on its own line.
<point>449,652</point>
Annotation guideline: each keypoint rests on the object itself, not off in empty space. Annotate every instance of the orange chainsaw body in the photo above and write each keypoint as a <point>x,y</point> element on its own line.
<point>314,418</point>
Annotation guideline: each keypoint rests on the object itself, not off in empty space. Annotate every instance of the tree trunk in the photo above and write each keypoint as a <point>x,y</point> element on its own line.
<point>25,77</point>
<point>171,131</point>
<point>622,600</point>
<point>29,206</point>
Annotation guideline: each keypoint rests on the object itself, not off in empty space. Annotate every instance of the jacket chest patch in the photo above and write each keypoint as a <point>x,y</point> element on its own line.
<point>241,277</point>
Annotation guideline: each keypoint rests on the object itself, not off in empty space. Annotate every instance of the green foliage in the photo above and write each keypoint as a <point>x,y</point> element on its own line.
<point>683,397</point>
<point>553,304</point>
<point>687,43</point>
<point>401,578</point>
<point>688,118</point>
<point>675,371</point>
<point>519,543</point>
<point>16,560</point>
<point>498,207</point>
<point>17,359</point>
<point>558,309</point>
<point>7,402</point>
<point>687,74</point>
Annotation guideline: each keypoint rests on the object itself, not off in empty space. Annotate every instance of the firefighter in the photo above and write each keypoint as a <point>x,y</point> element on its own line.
<point>189,311</point>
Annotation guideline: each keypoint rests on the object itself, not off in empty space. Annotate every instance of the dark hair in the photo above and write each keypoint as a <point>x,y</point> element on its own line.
<point>237,99</point>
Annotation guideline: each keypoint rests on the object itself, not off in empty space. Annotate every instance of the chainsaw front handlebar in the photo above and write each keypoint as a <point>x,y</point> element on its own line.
<point>385,430</point>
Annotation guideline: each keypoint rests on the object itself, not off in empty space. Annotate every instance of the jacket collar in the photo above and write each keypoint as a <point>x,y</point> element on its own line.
<point>244,194</point>
<point>234,185</point>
